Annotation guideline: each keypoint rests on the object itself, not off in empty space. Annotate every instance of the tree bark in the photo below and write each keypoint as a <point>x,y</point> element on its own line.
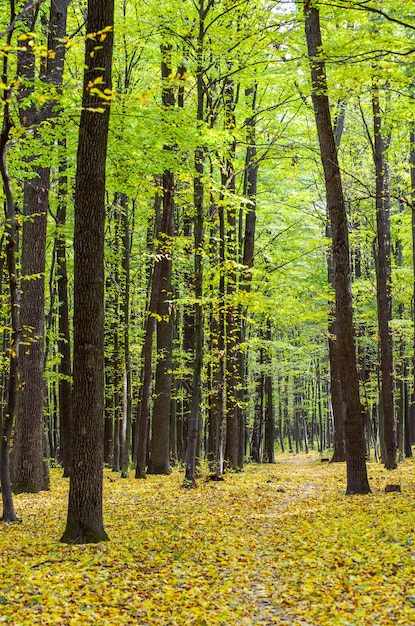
<point>145,405</point>
<point>357,481</point>
<point>384,286</point>
<point>29,470</point>
<point>84,520</point>
<point>269,434</point>
<point>64,338</point>
<point>159,462</point>
<point>412,171</point>
<point>248,252</point>
<point>127,401</point>
<point>11,228</point>
<point>198,200</point>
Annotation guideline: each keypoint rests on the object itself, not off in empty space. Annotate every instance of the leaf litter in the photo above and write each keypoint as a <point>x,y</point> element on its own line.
<point>276,544</point>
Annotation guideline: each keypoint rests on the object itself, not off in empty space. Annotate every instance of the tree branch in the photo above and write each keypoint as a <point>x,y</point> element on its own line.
<point>29,7</point>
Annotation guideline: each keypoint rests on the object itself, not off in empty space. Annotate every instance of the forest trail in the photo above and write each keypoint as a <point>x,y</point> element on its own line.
<point>276,544</point>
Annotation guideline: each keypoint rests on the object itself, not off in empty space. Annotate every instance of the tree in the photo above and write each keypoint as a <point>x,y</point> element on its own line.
<point>9,514</point>
<point>357,481</point>
<point>84,520</point>
<point>198,201</point>
<point>384,287</point>
<point>159,462</point>
<point>28,467</point>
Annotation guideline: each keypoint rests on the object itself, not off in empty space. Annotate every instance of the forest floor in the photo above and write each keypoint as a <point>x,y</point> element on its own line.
<point>278,544</point>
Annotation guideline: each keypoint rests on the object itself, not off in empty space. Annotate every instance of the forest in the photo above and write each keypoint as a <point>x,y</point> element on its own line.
<point>207,259</point>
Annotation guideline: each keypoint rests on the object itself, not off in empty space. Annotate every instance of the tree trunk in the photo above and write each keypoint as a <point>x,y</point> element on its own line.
<point>159,462</point>
<point>384,287</point>
<point>357,481</point>
<point>64,338</point>
<point>29,472</point>
<point>248,245</point>
<point>27,455</point>
<point>142,432</point>
<point>194,416</point>
<point>412,171</point>
<point>198,200</point>
<point>269,439</point>
<point>127,403</point>
<point>218,359</point>
<point>233,426</point>
<point>337,404</point>
<point>84,521</point>
<point>11,228</point>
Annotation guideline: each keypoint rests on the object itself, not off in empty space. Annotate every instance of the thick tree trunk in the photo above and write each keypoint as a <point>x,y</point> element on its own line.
<point>357,481</point>
<point>29,471</point>
<point>384,287</point>
<point>84,521</point>
<point>27,454</point>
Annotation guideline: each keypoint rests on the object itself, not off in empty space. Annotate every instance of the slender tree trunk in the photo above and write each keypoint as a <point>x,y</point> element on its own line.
<point>248,252</point>
<point>117,372</point>
<point>142,433</point>
<point>256,438</point>
<point>412,171</point>
<point>64,336</point>
<point>357,481</point>
<point>198,199</point>
<point>84,521</point>
<point>384,286</point>
<point>337,404</point>
<point>144,417</point>
<point>280,416</point>
<point>11,229</point>
<point>269,440</point>
<point>233,426</point>
<point>160,442</point>
<point>194,416</point>
<point>159,462</point>
<point>127,402</point>
<point>217,408</point>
